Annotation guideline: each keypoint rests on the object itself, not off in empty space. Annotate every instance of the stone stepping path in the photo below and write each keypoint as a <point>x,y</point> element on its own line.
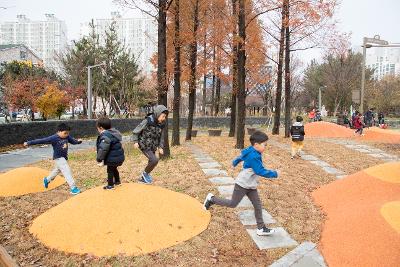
<point>305,255</point>
<point>325,166</point>
<point>366,149</point>
<point>225,187</point>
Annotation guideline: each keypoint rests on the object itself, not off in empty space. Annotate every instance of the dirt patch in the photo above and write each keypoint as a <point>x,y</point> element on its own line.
<point>327,129</point>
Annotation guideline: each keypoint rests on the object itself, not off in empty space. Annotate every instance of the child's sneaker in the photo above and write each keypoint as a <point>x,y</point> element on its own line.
<point>265,231</point>
<point>208,202</point>
<point>146,178</point>
<point>75,191</point>
<point>108,187</point>
<point>45,182</point>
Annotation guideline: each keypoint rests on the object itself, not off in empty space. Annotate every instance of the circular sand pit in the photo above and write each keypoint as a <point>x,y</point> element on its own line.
<point>131,220</point>
<point>327,129</point>
<point>26,180</point>
<point>375,134</point>
<point>363,213</point>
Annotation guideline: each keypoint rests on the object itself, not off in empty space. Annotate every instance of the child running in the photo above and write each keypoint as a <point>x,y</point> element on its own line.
<point>148,136</point>
<point>109,151</point>
<point>59,141</point>
<point>297,133</point>
<point>247,181</point>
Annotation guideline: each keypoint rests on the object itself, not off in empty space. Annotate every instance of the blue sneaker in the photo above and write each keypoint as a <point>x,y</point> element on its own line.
<point>45,182</point>
<point>146,178</point>
<point>75,191</point>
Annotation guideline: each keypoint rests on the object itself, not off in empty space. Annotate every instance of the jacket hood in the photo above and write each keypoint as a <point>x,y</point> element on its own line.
<point>247,152</point>
<point>298,123</point>
<point>158,110</point>
<point>114,132</point>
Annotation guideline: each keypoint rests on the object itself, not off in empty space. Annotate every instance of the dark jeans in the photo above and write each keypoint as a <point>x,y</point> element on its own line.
<point>153,160</point>
<point>113,175</point>
<point>238,194</point>
<point>360,130</point>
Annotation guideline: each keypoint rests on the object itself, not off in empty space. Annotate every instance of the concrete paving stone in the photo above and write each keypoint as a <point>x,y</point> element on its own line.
<point>204,160</point>
<point>209,165</point>
<point>247,217</point>
<point>309,157</point>
<point>386,155</point>
<point>222,180</point>
<point>214,172</point>
<point>320,163</point>
<point>225,190</point>
<point>280,239</point>
<point>332,170</point>
<point>294,255</point>
<point>362,150</point>
<point>375,155</point>
<point>352,146</point>
<point>245,203</point>
<point>340,176</point>
<point>306,261</point>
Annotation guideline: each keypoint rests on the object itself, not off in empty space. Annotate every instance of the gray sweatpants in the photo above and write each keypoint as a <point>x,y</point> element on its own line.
<point>153,160</point>
<point>63,167</point>
<point>238,194</point>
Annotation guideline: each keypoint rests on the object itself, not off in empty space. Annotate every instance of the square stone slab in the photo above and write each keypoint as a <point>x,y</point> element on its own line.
<point>222,180</point>
<point>210,165</point>
<point>379,156</point>
<point>225,190</point>
<point>247,217</point>
<point>245,203</point>
<point>305,249</point>
<point>340,176</point>
<point>309,157</point>
<point>320,163</point>
<point>279,239</point>
<point>362,150</point>
<point>204,160</point>
<point>214,172</point>
<point>332,170</point>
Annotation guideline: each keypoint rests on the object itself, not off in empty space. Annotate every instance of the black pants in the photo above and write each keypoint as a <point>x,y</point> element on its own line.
<point>113,175</point>
<point>153,160</point>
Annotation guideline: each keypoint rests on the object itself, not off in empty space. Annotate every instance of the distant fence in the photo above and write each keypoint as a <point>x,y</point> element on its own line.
<point>17,133</point>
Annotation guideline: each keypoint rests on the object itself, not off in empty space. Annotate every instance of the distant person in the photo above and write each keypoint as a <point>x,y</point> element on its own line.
<point>59,141</point>
<point>246,182</point>
<point>297,133</point>
<point>381,120</point>
<point>368,118</point>
<point>317,115</point>
<point>148,137</point>
<point>109,151</point>
<point>358,124</point>
<point>311,115</point>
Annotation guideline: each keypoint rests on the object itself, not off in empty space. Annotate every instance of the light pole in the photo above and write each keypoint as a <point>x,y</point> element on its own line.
<point>320,97</point>
<point>89,89</point>
<point>367,44</point>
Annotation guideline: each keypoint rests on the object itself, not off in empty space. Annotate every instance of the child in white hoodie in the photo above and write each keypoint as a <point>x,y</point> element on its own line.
<point>297,133</point>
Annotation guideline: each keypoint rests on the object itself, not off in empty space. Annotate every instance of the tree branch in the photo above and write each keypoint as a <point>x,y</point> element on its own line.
<point>261,13</point>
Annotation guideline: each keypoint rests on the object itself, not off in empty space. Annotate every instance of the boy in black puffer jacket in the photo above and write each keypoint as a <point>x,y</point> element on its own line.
<point>148,136</point>
<point>109,151</point>
<point>297,133</point>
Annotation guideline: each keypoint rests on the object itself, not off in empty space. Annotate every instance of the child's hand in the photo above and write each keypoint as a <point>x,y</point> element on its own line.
<point>26,144</point>
<point>136,145</point>
<point>80,140</point>
<point>100,164</point>
<point>161,151</point>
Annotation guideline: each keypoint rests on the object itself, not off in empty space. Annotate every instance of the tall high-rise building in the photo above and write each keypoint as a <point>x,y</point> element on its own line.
<point>383,61</point>
<point>137,34</point>
<point>46,38</point>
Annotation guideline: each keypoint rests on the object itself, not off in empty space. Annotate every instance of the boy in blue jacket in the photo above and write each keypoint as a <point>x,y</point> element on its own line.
<point>59,141</point>
<point>109,151</point>
<point>247,181</point>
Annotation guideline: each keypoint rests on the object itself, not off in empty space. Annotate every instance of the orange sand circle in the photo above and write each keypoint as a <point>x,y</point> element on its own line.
<point>375,134</point>
<point>327,129</point>
<point>26,180</point>
<point>356,232</point>
<point>133,219</point>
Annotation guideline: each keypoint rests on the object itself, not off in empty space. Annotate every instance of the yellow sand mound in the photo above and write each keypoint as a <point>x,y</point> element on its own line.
<point>133,219</point>
<point>26,180</point>
<point>389,172</point>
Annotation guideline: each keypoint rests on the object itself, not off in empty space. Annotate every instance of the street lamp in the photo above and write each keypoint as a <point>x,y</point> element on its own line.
<point>320,97</point>
<point>89,89</point>
<point>367,44</point>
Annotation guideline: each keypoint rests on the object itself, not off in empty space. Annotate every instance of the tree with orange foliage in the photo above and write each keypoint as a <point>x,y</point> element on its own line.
<point>53,102</point>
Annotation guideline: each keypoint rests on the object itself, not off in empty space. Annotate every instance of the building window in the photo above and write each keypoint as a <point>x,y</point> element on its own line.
<point>22,55</point>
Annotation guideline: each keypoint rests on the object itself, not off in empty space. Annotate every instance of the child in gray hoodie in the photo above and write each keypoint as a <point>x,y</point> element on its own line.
<point>247,181</point>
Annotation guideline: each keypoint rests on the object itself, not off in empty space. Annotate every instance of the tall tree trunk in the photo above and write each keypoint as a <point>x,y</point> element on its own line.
<point>241,96</point>
<point>177,79</point>
<point>213,85</point>
<point>218,93</point>
<point>162,67</point>
<point>205,74</point>
<point>278,99</point>
<point>288,119</point>
<point>232,126</point>
<point>193,65</point>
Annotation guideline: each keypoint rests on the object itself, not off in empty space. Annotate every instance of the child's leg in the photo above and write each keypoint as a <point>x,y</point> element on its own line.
<point>62,164</point>
<point>238,194</point>
<point>153,161</point>
<point>53,173</point>
<point>255,199</point>
<point>300,146</point>
<point>293,148</point>
<point>117,179</point>
<point>110,175</point>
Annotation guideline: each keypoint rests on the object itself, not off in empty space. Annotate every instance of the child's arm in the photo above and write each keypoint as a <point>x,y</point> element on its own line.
<point>258,168</point>
<point>236,161</point>
<point>46,140</point>
<point>137,131</point>
<point>103,148</point>
<point>73,141</point>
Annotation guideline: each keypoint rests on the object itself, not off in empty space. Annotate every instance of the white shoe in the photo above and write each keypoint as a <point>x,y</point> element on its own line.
<point>265,231</point>
<point>208,202</point>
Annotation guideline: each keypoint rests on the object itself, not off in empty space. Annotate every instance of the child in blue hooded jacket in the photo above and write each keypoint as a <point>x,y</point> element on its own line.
<point>247,181</point>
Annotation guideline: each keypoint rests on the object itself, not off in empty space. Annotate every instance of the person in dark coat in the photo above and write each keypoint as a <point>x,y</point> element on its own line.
<point>297,133</point>
<point>109,151</point>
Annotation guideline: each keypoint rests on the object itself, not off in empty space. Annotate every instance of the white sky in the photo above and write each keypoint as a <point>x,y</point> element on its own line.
<point>360,17</point>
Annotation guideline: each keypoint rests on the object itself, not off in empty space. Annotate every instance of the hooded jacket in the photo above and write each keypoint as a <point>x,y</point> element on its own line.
<point>252,168</point>
<point>109,148</point>
<point>297,131</point>
<point>149,133</point>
